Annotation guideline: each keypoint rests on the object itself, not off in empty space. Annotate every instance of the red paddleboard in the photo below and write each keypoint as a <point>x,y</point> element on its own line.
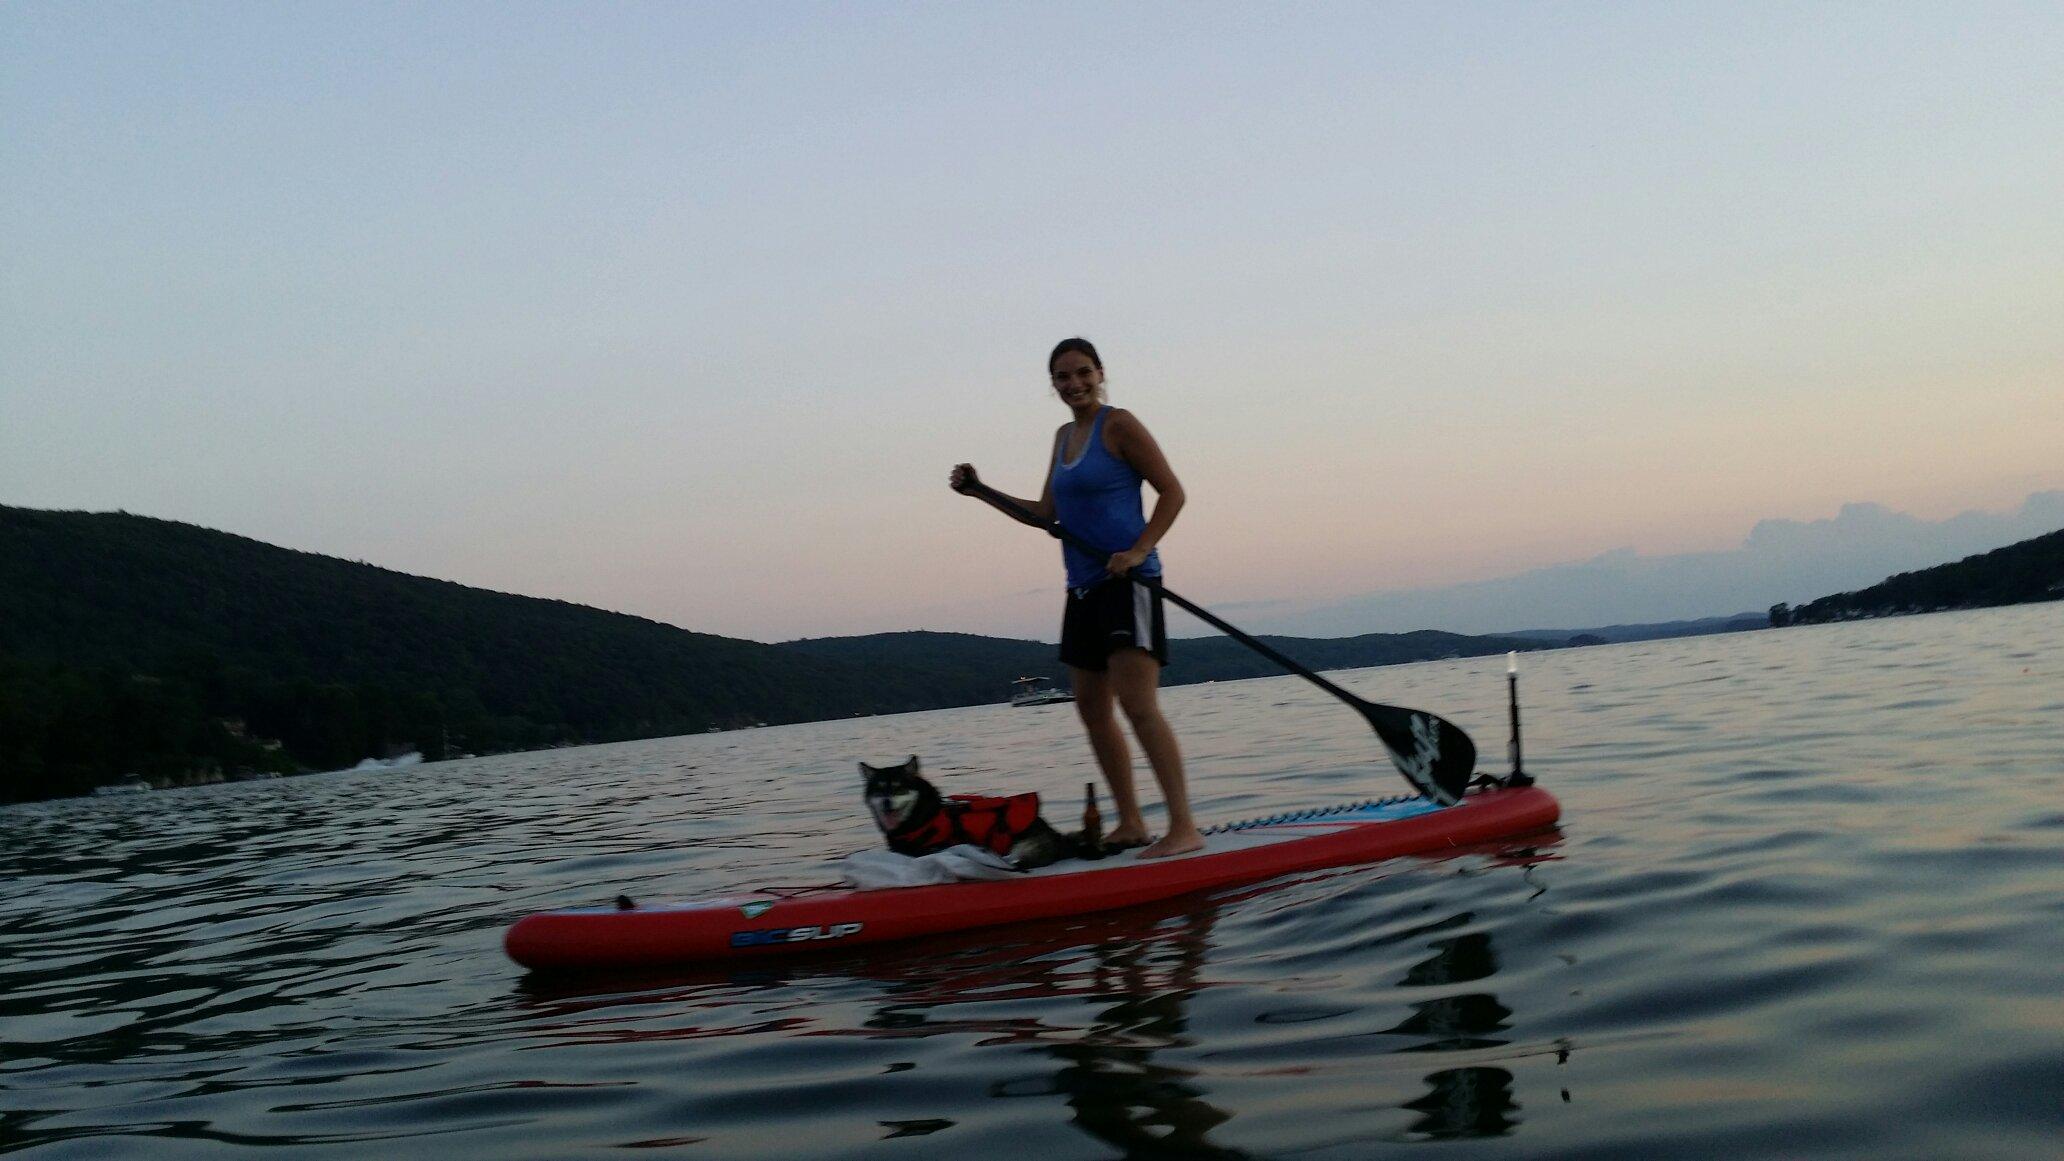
<point>767,923</point>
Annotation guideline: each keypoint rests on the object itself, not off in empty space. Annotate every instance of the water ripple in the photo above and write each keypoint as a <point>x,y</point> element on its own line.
<point>1803,902</point>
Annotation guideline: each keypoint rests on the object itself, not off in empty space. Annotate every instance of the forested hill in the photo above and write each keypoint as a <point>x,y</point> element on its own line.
<point>2032,570</point>
<point>136,645</point>
<point>126,642</point>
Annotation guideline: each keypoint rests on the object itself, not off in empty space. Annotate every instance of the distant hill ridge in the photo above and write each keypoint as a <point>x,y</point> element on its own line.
<point>130,644</point>
<point>2032,570</point>
<point>1651,631</point>
<point>1193,659</point>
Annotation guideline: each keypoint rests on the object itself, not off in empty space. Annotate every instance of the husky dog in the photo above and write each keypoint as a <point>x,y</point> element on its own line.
<point>918,820</point>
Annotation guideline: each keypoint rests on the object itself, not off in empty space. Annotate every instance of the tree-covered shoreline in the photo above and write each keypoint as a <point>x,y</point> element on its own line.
<point>136,646</point>
<point>132,646</point>
<point>2022,573</point>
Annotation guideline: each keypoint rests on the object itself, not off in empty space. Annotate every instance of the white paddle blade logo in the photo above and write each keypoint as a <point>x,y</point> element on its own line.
<point>1425,751</point>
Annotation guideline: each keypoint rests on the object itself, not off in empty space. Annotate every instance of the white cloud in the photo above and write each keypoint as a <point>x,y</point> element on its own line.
<point>1781,560</point>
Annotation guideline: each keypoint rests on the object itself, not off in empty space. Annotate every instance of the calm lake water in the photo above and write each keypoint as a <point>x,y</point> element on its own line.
<point>1807,900</point>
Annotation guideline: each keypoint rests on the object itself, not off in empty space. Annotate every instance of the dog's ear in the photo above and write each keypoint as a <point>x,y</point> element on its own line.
<point>866,771</point>
<point>912,764</point>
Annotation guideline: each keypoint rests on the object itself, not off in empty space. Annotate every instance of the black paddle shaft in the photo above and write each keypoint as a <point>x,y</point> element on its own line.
<point>1432,753</point>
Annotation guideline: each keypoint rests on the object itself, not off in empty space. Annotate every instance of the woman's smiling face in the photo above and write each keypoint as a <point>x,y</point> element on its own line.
<point>1077,379</point>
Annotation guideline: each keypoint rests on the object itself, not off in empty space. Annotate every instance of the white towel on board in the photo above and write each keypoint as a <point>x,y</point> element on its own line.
<point>877,869</point>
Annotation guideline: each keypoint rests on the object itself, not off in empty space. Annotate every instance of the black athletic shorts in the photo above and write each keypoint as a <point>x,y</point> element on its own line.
<point>1113,614</point>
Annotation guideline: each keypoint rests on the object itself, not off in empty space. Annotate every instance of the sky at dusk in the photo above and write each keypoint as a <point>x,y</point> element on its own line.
<point>686,310</point>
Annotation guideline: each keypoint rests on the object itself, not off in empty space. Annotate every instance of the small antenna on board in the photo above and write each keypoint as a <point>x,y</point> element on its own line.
<point>1519,776</point>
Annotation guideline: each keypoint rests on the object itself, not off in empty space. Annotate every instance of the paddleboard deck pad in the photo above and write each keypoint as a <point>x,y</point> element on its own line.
<point>778,922</point>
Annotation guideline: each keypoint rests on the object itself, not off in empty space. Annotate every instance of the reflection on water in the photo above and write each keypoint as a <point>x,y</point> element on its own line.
<point>1804,900</point>
<point>1111,1076</point>
<point>1114,1054</point>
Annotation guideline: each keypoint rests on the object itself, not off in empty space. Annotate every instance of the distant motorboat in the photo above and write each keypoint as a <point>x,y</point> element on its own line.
<point>400,762</point>
<point>1037,691</point>
<point>129,785</point>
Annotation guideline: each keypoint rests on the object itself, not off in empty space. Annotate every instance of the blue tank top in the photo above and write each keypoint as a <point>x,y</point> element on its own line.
<point>1097,497</point>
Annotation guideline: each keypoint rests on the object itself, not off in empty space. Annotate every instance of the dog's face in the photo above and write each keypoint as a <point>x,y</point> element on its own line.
<point>897,795</point>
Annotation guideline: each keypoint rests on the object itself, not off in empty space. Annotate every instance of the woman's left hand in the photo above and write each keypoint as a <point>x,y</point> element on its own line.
<point>1124,562</point>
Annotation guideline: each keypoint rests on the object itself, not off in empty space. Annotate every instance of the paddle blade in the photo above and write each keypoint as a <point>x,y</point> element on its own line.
<point>1433,754</point>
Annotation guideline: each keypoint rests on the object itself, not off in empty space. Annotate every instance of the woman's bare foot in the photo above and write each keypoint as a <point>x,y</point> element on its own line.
<point>1174,843</point>
<point>1125,838</point>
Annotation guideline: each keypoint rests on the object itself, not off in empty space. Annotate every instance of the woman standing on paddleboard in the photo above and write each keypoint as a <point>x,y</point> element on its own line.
<point>1112,636</point>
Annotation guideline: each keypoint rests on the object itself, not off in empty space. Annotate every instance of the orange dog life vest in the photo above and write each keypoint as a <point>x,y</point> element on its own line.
<point>993,821</point>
